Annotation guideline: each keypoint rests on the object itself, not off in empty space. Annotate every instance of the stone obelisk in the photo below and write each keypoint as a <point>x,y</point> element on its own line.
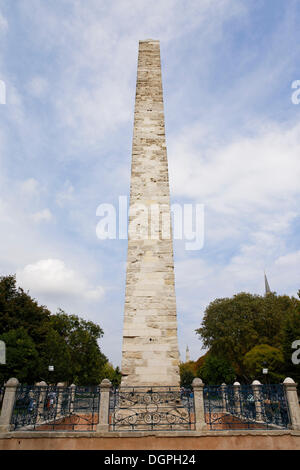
<point>150,354</point>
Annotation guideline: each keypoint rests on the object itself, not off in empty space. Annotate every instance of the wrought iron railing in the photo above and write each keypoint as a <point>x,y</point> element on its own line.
<point>245,407</point>
<point>56,408</point>
<point>151,408</point>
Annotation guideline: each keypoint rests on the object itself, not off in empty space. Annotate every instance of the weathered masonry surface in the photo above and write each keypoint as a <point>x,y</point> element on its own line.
<point>150,353</point>
<point>230,440</point>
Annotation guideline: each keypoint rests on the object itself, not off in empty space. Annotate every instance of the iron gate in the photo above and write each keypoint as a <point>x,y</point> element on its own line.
<point>155,408</point>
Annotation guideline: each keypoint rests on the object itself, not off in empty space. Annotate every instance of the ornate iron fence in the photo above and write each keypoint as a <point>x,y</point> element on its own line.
<point>151,408</point>
<point>47,408</point>
<point>245,407</point>
<point>56,408</point>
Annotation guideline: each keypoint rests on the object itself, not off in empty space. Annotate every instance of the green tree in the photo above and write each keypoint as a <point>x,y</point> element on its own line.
<point>112,374</point>
<point>37,339</point>
<point>291,333</point>
<point>21,356</point>
<point>233,326</point>
<point>199,363</point>
<point>81,337</point>
<point>116,381</point>
<point>55,351</point>
<point>264,356</point>
<point>18,309</point>
<point>187,374</point>
<point>216,371</point>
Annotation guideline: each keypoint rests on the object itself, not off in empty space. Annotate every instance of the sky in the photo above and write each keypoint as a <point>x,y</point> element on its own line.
<point>233,140</point>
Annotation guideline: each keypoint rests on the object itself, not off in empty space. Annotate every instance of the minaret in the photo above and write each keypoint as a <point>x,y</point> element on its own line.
<point>187,355</point>
<point>150,354</point>
<point>267,287</point>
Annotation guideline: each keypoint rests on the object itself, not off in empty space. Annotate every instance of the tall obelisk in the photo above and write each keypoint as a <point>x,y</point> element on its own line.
<point>150,353</point>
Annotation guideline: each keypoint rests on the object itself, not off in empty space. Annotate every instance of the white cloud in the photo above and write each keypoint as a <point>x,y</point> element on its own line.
<point>66,194</point>
<point>52,278</point>
<point>289,260</point>
<point>5,216</point>
<point>38,86</point>
<point>97,45</point>
<point>44,215</point>
<point>30,187</point>
<point>256,172</point>
<point>249,187</point>
<point>3,24</point>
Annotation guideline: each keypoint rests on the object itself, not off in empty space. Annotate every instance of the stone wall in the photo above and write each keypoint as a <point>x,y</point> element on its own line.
<point>229,440</point>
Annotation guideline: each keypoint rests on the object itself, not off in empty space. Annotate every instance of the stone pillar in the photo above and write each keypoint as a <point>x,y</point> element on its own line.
<point>150,354</point>
<point>60,390</point>
<point>198,386</point>
<point>105,388</point>
<point>8,404</point>
<point>237,403</point>
<point>293,402</point>
<point>42,397</point>
<point>224,402</point>
<point>72,397</point>
<point>256,387</point>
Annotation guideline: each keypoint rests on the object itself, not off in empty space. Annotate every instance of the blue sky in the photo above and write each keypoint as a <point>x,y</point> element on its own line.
<point>233,137</point>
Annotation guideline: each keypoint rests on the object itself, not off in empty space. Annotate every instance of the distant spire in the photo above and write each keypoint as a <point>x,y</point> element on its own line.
<point>187,355</point>
<point>267,287</point>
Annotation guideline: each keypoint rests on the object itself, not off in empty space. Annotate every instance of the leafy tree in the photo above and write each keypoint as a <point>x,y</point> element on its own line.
<point>85,358</point>
<point>262,354</point>
<point>55,351</point>
<point>18,309</point>
<point>111,373</point>
<point>216,371</point>
<point>187,374</point>
<point>199,363</point>
<point>116,381</point>
<point>291,333</point>
<point>21,356</point>
<point>233,326</point>
<point>36,339</point>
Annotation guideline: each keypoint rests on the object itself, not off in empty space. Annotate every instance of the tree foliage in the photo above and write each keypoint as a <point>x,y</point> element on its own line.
<point>291,333</point>
<point>232,327</point>
<point>187,374</point>
<point>264,354</point>
<point>199,363</point>
<point>35,339</point>
<point>111,373</point>
<point>216,371</point>
<point>21,354</point>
